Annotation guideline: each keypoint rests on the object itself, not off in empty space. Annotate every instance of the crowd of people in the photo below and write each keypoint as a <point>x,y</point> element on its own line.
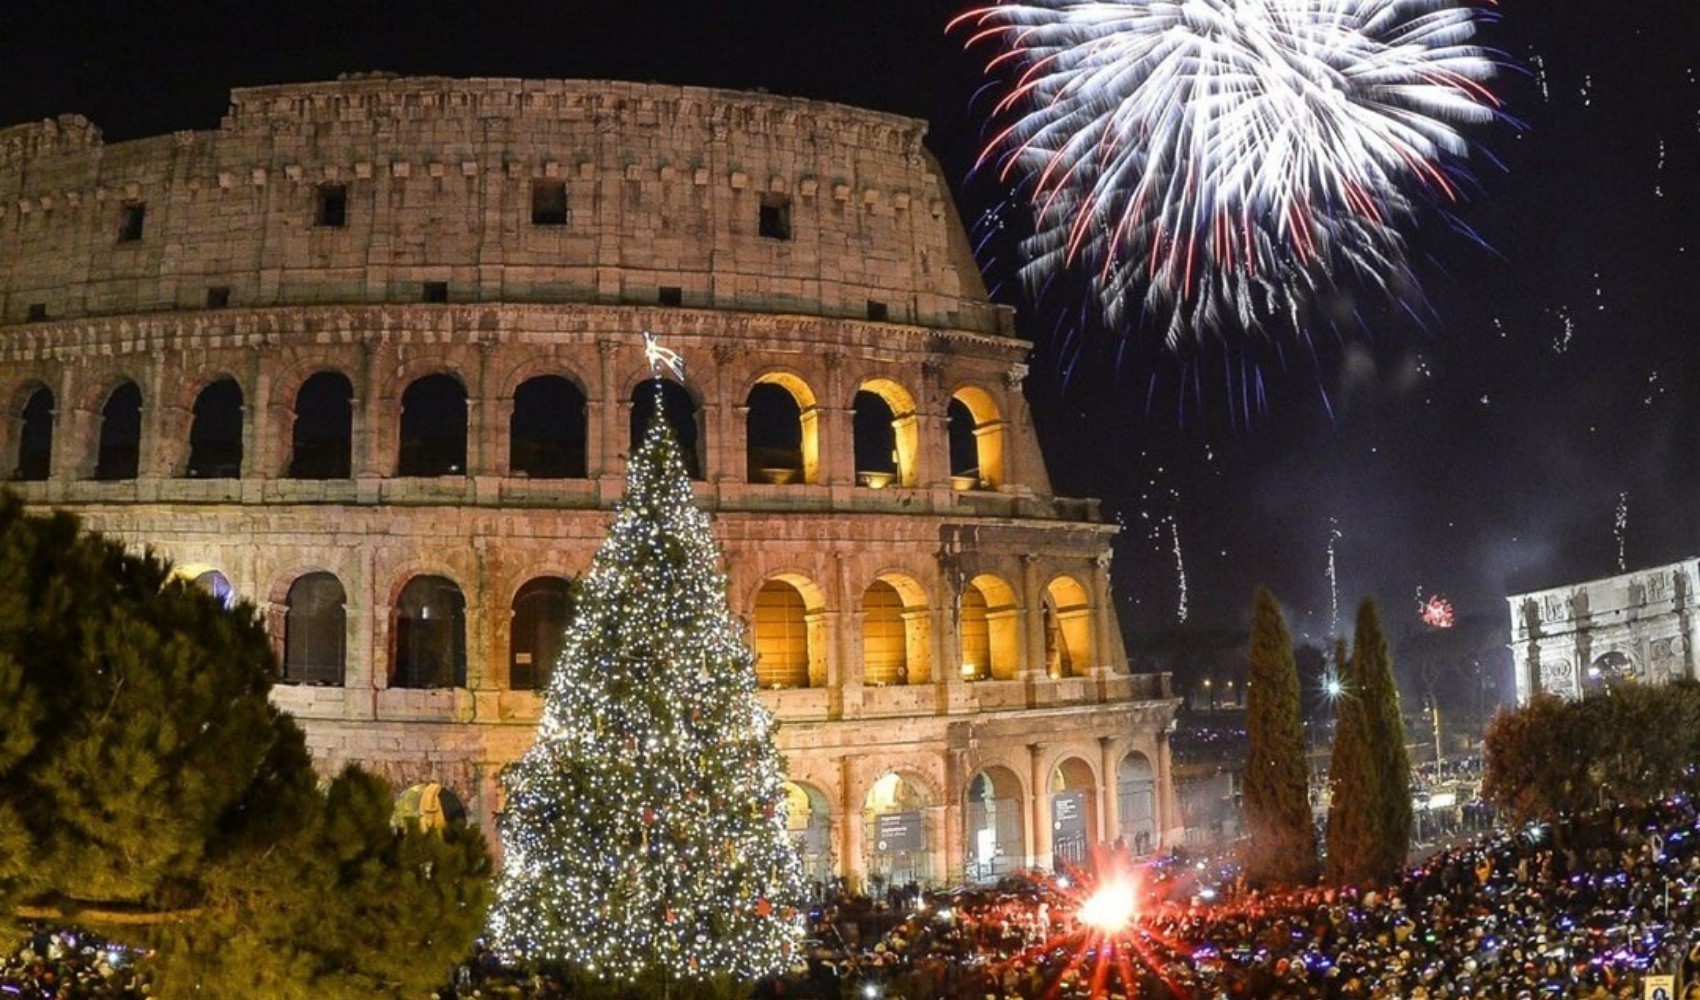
<point>1582,913</point>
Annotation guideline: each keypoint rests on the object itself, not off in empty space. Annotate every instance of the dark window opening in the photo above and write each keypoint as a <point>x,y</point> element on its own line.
<point>547,433</point>
<point>429,648</point>
<point>775,220</point>
<point>120,451</point>
<point>436,291</point>
<point>672,295</point>
<point>37,312</point>
<point>541,611</point>
<point>433,428</point>
<point>330,210</point>
<point>218,296</point>
<point>680,412</point>
<point>323,438</point>
<point>218,587</point>
<point>315,631</point>
<point>130,220</point>
<point>876,434</point>
<point>549,203</point>
<point>35,439</point>
<point>878,312</point>
<point>773,435</point>
<point>964,447</point>
<point>215,434</point>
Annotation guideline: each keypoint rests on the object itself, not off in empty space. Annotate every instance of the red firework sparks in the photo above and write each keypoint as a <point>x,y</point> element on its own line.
<point>1436,612</point>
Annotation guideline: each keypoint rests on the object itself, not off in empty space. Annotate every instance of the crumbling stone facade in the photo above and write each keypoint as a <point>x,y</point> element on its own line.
<point>369,356</point>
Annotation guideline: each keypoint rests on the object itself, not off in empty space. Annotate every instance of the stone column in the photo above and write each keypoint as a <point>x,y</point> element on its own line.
<point>1039,807</point>
<point>1109,799</point>
<point>369,416</point>
<point>1171,828</point>
<point>155,458</point>
<point>483,458</point>
<point>71,438</point>
<point>1103,636</point>
<point>932,413</point>
<point>1033,618</point>
<point>852,863</point>
<point>258,428</point>
<point>721,463</point>
<point>837,431</point>
<point>604,416</point>
<point>1015,443</point>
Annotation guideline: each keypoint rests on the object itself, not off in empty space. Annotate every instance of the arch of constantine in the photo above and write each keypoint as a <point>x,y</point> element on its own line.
<point>369,357</point>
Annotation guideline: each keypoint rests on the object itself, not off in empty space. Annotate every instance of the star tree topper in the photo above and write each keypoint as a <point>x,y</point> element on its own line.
<point>662,357</point>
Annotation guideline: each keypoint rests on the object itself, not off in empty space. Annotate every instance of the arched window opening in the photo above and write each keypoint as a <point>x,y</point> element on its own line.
<point>1608,671</point>
<point>218,586</point>
<point>976,636</point>
<point>1074,812</point>
<point>433,428</point>
<point>885,655</point>
<point>215,432</point>
<point>548,430</point>
<point>429,635</point>
<point>120,449</point>
<point>680,412</point>
<point>808,821</point>
<point>876,441</point>
<point>1068,629</point>
<point>541,611</point>
<point>35,437</point>
<point>773,435</point>
<point>429,807</point>
<point>323,437</point>
<point>1136,800</point>
<point>900,845</point>
<point>976,438</point>
<point>315,631</point>
<point>989,609</point>
<point>993,843</point>
<point>781,636</point>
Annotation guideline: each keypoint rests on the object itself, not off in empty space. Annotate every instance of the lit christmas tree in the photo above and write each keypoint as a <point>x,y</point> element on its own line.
<point>644,836</point>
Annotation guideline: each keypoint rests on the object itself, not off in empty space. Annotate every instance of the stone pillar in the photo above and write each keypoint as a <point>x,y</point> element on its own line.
<point>1109,799</point>
<point>604,416</point>
<point>369,417</point>
<point>720,463</point>
<point>853,863</point>
<point>158,426</point>
<point>955,788</point>
<point>71,437</point>
<point>1039,807</point>
<point>483,458</point>
<point>837,430</point>
<point>1016,443</point>
<point>1171,827</point>
<point>1103,636</point>
<point>1033,617</point>
<point>259,432</point>
<point>849,645</point>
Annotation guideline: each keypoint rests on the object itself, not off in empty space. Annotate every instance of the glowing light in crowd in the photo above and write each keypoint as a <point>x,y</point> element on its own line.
<point>1221,163</point>
<point>1110,909</point>
<point>1437,612</point>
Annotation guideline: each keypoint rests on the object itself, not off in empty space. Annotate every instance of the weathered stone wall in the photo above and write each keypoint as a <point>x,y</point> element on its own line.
<point>664,188</point>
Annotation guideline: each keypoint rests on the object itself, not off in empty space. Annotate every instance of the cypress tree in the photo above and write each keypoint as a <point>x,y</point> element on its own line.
<point>1351,776</point>
<point>1282,848</point>
<point>1391,808</point>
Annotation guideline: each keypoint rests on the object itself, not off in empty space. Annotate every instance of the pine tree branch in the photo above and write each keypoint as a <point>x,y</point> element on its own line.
<point>115,914</point>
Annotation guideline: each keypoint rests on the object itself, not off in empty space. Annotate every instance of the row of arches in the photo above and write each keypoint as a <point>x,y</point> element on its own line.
<point>902,840</point>
<point>428,648</point>
<point>548,431</point>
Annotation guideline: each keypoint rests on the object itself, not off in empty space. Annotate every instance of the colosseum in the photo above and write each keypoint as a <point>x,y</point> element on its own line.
<point>369,356</point>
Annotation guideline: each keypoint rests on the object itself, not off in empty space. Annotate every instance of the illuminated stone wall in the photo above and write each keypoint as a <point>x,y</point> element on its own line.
<point>1051,710</point>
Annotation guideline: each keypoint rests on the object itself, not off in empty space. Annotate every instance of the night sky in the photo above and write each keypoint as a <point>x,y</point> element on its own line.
<point>1482,450</point>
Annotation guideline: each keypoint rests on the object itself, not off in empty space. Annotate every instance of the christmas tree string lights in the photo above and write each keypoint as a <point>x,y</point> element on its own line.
<point>644,833</point>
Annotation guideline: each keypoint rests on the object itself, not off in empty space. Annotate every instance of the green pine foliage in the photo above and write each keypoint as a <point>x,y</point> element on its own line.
<point>644,836</point>
<point>1282,845</point>
<point>1369,815</point>
<point>150,791</point>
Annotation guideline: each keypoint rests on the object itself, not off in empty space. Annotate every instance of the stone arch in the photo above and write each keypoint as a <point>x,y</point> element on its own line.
<point>994,839</point>
<point>215,431</point>
<point>808,821</point>
<point>209,579</point>
<point>1067,617</point>
<point>428,634</point>
<point>432,424</point>
<point>315,630</point>
<point>548,428</point>
<point>1609,668</point>
<point>118,444</point>
<point>978,439</point>
<point>990,626</point>
<point>29,439</point>
<point>539,614</point>
<point>1073,799</point>
<point>1136,801</point>
<point>321,444</point>
<point>782,430</point>
<point>682,410</point>
<point>786,636</point>
<point>887,435</point>
<point>896,631</point>
<point>429,806</point>
<point>896,829</point>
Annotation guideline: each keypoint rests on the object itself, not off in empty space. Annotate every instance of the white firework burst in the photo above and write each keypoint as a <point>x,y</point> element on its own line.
<point>1222,162</point>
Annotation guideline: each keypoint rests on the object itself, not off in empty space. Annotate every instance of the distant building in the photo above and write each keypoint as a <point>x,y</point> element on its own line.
<point>1581,637</point>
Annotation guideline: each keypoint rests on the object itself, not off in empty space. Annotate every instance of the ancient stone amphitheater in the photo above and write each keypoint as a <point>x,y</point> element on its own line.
<point>369,357</point>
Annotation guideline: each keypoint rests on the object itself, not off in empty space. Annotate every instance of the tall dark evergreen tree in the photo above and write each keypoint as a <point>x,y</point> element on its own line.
<point>1391,807</point>
<point>1282,847</point>
<point>1351,776</point>
<point>150,791</point>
